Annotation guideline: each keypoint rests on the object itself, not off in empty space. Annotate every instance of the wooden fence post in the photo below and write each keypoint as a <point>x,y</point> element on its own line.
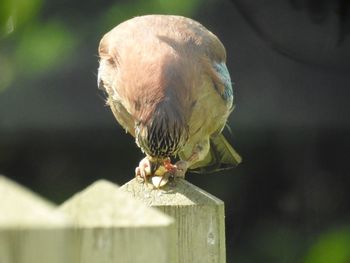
<point>199,218</point>
<point>31,231</point>
<point>102,224</point>
<point>112,227</point>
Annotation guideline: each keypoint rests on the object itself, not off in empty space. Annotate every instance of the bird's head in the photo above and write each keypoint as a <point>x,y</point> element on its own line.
<point>162,135</point>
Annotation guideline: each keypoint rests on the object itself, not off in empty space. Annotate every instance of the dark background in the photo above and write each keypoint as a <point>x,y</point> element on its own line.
<point>289,201</point>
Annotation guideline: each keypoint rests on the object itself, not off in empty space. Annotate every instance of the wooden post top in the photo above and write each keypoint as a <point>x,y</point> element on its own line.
<point>199,218</point>
<point>180,193</point>
<point>22,208</point>
<point>103,205</point>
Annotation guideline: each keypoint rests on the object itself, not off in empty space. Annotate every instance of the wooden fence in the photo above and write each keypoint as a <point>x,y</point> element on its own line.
<point>106,223</point>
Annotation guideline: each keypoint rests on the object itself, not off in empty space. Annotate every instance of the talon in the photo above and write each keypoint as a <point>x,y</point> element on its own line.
<point>181,169</point>
<point>137,172</point>
<point>169,166</point>
<point>165,172</point>
<point>143,170</point>
<point>176,170</point>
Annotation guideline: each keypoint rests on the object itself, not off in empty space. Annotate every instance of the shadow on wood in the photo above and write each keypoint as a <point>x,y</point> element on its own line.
<point>199,218</point>
<point>31,231</point>
<point>112,227</point>
<point>108,224</point>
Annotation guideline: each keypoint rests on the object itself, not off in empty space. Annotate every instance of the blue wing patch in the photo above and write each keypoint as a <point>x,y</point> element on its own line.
<point>225,78</point>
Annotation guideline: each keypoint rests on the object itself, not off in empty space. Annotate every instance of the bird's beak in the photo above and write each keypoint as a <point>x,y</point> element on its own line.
<point>155,163</point>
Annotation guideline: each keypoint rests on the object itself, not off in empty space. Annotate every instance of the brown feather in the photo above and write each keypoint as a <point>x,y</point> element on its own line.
<point>160,67</point>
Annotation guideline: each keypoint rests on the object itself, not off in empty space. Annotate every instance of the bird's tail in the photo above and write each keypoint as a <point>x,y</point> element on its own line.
<point>221,156</point>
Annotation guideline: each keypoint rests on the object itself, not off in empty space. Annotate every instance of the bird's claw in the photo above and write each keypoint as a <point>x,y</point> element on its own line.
<point>180,169</point>
<point>143,170</point>
<point>166,172</point>
<point>169,172</point>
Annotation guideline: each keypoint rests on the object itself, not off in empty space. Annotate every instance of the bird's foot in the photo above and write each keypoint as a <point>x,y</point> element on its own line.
<point>179,169</point>
<point>159,178</point>
<point>168,172</point>
<point>165,172</point>
<point>143,170</point>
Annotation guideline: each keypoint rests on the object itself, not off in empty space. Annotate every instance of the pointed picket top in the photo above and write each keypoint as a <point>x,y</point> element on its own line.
<point>103,205</point>
<point>179,193</point>
<point>199,218</point>
<point>20,207</point>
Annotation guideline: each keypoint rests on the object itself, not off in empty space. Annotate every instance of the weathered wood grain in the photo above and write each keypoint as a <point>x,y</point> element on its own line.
<point>199,218</point>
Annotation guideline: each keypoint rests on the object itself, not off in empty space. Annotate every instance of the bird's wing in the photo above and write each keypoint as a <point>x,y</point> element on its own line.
<point>215,66</point>
<point>222,83</point>
<point>107,82</point>
<point>221,156</point>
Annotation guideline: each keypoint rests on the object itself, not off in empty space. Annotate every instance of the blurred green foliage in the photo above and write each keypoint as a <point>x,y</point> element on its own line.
<point>15,16</point>
<point>277,243</point>
<point>127,9</point>
<point>5,11</point>
<point>31,46</point>
<point>272,241</point>
<point>332,247</point>
<point>42,46</point>
<point>16,13</point>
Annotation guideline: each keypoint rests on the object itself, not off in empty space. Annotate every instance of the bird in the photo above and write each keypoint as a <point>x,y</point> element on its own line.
<point>167,84</point>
